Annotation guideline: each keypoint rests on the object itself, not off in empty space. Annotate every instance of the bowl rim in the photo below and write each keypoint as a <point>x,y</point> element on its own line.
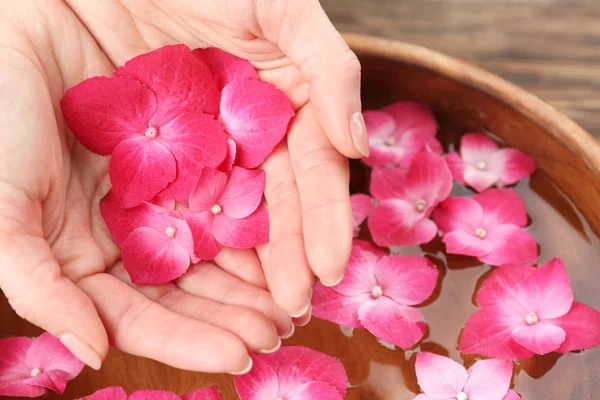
<point>564,129</point>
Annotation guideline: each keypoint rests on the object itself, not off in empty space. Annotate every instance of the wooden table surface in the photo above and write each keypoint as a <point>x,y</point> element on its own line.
<point>549,47</point>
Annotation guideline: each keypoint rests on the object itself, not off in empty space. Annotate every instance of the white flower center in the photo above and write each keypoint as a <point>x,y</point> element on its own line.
<point>462,396</point>
<point>531,319</point>
<point>216,209</point>
<point>390,142</point>
<point>36,372</point>
<point>151,132</point>
<point>482,165</point>
<point>420,205</point>
<point>170,231</point>
<point>480,233</point>
<point>376,292</point>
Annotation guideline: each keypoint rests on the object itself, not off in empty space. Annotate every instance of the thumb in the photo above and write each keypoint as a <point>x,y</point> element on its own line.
<point>31,279</point>
<point>304,33</point>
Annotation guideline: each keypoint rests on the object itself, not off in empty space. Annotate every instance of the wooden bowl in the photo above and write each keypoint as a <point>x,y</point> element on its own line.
<point>473,99</point>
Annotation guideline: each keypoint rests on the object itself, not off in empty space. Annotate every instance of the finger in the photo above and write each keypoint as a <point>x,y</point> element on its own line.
<point>208,281</point>
<point>323,178</point>
<point>144,328</point>
<point>31,279</point>
<point>305,34</point>
<point>254,329</point>
<point>243,264</point>
<point>287,271</point>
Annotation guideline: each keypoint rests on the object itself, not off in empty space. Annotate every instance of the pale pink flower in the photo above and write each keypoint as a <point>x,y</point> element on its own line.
<point>362,205</point>
<point>118,393</point>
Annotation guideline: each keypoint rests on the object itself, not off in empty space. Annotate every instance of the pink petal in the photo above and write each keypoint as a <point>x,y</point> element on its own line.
<point>435,146</point>
<point>467,244</point>
<point>381,155</point>
<point>408,280</point>
<point>362,205</point>
<point>479,180</point>
<point>547,291</point>
<point>208,189</point>
<point>396,222</point>
<point>458,214</point>
<point>428,178</point>
<point>338,308</point>
<point>14,369</point>
<point>502,286</point>
<point>457,166</point>
<point>540,338</point>
<point>394,323</point>
<point>195,140</point>
<point>102,112</point>
<point>152,257</point>
<point>440,377</point>
<point>229,158</point>
<point>380,126</point>
<point>208,393</point>
<point>18,389</point>
<point>511,165</point>
<point>242,233</point>
<point>489,379</point>
<point>111,393</point>
<point>489,332</point>
<point>256,115</point>
<point>512,395</point>
<point>225,67</point>
<point>477,147</point>
<point>139,169</point>
<point>153,395</point>
<point>260,383</point>
<point>501,206</point>
<point>387,183</point>
<point>316,391</point>
<point>243,192</point>
<point>359,277</point>
<point>181,81</point>
<point>582,325</point>
<point>206,246</point>
<point>511,244</point>
<point>55,380</point>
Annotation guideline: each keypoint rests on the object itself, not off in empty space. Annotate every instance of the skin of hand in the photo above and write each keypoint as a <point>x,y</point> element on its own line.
<point>60,269</point>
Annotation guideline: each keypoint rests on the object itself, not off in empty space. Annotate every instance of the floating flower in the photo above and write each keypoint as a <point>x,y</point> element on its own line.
<point>227,211</point>
<point>118,393</point>
<point>153,118</point>
<point>30,366</point>
<point>441,378</point>
<point>481,164</point>
<point>407,198</point>
<point>361,207</point>
<point>398,132</point>
<point>488,226</point>
<point>378,293</point>
<point>293,373</point>
<point>156,242</point>
<point>526,310</point>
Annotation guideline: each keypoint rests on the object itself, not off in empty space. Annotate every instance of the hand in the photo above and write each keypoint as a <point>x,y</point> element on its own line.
<point>59,267</point>
<point>294,46</point>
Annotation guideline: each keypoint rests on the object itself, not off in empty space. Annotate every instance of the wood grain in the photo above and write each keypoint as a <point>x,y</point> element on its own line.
<point>549,47</point>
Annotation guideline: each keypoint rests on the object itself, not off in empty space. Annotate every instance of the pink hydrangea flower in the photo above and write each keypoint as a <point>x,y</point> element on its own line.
<point>154,118</point>
<point>227,211</point>
<point>526,310</point>
<point>406,198</point>
<point>398,132</point>
<point>488,226</point>
<point>30,366</point>
<point>118,393</point>
<point>362,205</point>
<point>293,373</point>
<point>378,293</point>
<point>441,378</point>
<point>156,242</point>
<point>481,164</point>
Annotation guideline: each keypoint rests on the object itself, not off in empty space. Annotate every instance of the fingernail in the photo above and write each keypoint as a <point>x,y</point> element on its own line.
<point>358,131</point>
<point>81,350</point>
<point>290,333</point>
<point>245,370</point>
<point>273,350</point>
<point>300,313</point>
<point>332,283</point>
<point>304,320</point>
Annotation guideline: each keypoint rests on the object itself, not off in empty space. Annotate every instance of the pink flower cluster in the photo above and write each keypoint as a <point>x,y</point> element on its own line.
<point>184,131</point>
<point>118,393</point>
